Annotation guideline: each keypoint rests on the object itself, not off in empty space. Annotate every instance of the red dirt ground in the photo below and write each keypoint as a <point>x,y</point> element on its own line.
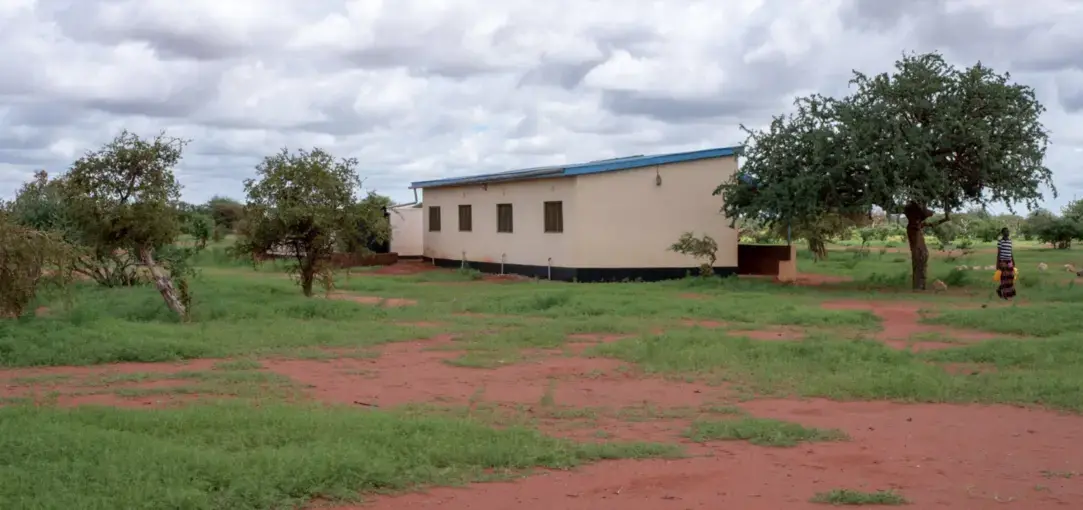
<point>938,456</point>
<point>405,267</point>
<point>900,323</point>
<point>372,300</point>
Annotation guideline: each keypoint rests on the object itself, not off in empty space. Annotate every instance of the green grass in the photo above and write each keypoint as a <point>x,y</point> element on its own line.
<point>847,497</point>
<point>1041,320</point>
<point>233,316</point>
<point>760,431</point>
<point>863,369</point>
<point>879,269</point>
<point>238,312</point>
<point>238,456</point>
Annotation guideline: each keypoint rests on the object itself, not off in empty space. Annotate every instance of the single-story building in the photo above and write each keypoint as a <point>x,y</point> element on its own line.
<point>407,233</point>
<point>605,220</point>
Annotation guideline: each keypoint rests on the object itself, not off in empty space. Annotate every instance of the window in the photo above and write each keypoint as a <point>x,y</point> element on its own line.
<point>434,219</point>
<point>554,217</point>
<point>466,223</point>
<point>503,218</point>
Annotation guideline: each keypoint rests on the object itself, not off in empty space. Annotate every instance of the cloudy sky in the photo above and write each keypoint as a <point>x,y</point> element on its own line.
<point>421,89</point>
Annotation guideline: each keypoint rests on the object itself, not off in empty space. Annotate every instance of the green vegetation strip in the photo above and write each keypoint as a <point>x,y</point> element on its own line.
<point>1044,372</point>
<point>761,432</point>
<point>237,456</point>
<point>846,497</point>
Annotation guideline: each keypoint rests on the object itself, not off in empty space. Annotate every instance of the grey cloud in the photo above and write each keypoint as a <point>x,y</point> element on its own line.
<point>41,113</point>
<point>970,33</point>
<point>406,57</point>
<point>758,88</point>
<point>39,139</point>
<point>514,101</point>
<point>663,108</point>
<point>526,127</point>
<point>1072,101</point>
<point>78,20</point>
<point>875,15</point>
<point>24,157</point>
<point>565,75</point>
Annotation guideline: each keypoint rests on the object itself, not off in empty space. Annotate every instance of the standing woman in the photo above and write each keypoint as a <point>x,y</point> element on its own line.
<point>1006,266</point>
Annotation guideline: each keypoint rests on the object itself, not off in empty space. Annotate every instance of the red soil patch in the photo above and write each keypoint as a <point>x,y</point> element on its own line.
<point>411,372</point>
<point>580,341</point>
<point>405,267</point>
<point>505,278</point>
<point>937,456</point>
<point>809,279</point>
<point>900,324</point>
<point>372,300</point>
<point>72,386</point>
<point>805,279</point>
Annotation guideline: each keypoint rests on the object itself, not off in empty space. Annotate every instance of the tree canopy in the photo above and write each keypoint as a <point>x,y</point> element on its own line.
<point>304,204</point>
<point>119,207</point>
<point>926,136</point>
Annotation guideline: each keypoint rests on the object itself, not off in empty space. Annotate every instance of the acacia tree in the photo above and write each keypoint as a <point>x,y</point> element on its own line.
<point>123,203</point>
<point>303,205</point>
<point>926,137</point>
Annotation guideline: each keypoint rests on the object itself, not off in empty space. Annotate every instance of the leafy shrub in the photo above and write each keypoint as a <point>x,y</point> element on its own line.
<point>703,248</point>
<point>28,259</point>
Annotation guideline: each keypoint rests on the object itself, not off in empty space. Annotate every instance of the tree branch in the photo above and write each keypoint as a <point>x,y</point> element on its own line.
<point>941,221</point>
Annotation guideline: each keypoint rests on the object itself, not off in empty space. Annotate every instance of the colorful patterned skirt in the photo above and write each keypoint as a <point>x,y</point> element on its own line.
<point>1006,289</point>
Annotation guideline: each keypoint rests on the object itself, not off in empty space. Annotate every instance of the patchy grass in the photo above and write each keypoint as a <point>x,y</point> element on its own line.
<point>847,497</point>
<point>1044,320</point>
<point>863,369</point>
<point>760,431</point>
<point>245,457</point>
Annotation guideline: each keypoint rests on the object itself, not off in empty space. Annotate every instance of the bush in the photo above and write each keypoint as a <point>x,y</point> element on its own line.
<point>28,259</point>
<point>959,278</point>
<point>201,227</point>
<point>703,248</point>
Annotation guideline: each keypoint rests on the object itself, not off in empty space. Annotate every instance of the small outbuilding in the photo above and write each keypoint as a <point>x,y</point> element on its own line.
<point>407,232</point>
<point>605,220</point>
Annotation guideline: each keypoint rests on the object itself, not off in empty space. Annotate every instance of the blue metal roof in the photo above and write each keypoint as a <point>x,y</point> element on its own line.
<point>592,167</point>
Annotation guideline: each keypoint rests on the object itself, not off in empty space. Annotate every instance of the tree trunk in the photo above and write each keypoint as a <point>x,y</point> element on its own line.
<point>915,237</point>
<point>164,284</point>
<point>818,248</point>
<point>308,276</point>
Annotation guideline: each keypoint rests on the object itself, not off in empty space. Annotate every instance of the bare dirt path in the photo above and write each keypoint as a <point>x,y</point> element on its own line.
<point>900,324</point>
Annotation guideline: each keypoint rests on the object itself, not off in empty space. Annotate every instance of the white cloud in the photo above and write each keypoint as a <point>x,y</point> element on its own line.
<point>421,89</point>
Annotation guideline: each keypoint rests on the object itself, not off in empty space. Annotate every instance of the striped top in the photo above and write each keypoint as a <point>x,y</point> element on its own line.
<point>1004,249</point>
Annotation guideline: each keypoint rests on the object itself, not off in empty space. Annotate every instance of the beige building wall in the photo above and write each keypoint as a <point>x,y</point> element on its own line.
<point>626,220</point>
<point>407,236</point>
<point>528,244</point>
<point>619,219</point>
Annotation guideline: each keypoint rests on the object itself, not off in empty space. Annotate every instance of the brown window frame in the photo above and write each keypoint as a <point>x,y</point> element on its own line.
<point>434,218</point>
<point>466,212</point>
<point>553,214</point>
<point>505,219</point>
